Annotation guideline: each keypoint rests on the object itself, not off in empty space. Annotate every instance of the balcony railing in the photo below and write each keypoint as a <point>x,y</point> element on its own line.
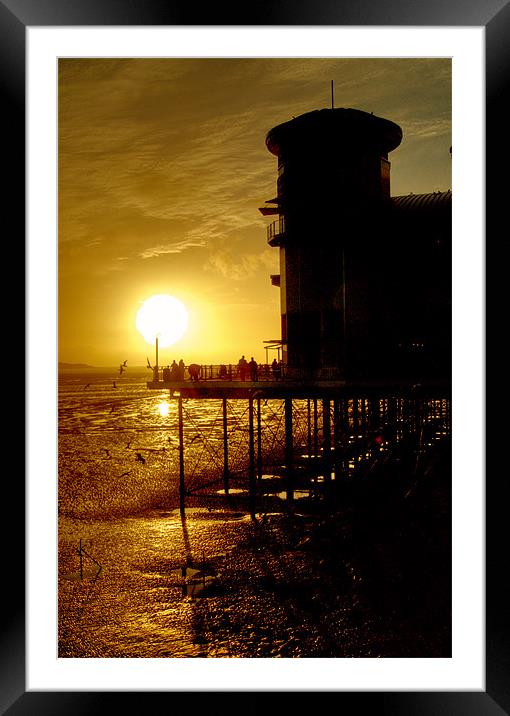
<point>276,229</point>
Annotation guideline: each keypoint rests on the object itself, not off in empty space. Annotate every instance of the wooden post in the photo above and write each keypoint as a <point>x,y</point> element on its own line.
<point>363,415</point>
<point>182,486</point>
<point>344,414</point>
<point>337,432</point>
<point>315,429</point>
<point>355,416</point>
<point>225,447</point>
<point>252,484</point>
<point>289,450</point>
<point>259,442</point>
<point>308,429</point>
<point>326,438</point>
<point>391,420</point>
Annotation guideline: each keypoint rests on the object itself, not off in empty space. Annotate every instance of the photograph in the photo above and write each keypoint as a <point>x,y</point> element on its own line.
<point>254,328</point>
<point>254,357</point>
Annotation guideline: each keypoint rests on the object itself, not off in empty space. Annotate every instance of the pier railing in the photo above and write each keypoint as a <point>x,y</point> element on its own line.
<point>220,372</point>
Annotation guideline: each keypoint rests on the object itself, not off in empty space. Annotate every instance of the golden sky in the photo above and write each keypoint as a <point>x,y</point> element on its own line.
<point>162,168</point>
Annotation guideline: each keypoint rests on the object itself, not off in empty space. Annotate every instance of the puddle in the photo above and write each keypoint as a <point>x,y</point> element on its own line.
<point>195,582</point>
<point>79,576</point>
<point>298,495</point>
<point>232,491</point>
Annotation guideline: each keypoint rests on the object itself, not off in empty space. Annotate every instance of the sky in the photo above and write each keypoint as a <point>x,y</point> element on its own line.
<point>162,166</point>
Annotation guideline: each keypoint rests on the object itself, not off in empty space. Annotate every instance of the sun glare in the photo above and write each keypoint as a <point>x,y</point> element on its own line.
<point>163,409</point>
<point>164,317</point>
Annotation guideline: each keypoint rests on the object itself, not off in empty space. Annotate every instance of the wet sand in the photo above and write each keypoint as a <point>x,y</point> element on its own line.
<point>351,578</point>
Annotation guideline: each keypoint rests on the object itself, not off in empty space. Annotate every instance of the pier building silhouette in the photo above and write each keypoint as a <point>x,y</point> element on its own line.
<point>365,278</point>
<point>365,287</point>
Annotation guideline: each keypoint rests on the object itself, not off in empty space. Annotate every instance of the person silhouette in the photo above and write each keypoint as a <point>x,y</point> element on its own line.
<point>252,365</point>
<point>242,365</point>
<point>174,371</point>
<point>194,371</point>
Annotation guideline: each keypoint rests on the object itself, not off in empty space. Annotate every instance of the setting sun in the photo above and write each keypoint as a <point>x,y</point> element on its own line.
<point>164,317</point>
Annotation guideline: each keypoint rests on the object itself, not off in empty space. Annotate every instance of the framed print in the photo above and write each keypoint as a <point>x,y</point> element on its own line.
<point>83,84</point>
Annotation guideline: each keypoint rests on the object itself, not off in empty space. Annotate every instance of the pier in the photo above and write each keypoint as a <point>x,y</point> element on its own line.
<point>361,386</point>
<point>286,437</point>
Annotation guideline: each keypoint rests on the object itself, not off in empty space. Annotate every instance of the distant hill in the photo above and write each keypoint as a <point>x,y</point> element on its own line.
<point>74,365</point>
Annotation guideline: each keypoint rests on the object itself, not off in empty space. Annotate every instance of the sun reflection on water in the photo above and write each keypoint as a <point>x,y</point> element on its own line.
<point>163,409</point>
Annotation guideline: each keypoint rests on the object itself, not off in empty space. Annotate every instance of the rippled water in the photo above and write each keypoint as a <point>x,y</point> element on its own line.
<point>137,579</point>
<point>124,594</point>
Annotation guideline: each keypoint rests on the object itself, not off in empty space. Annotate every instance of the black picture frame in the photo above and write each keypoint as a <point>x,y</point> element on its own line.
<point>15,17</point>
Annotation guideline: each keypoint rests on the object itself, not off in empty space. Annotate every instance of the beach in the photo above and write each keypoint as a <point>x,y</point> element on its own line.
<point>365,573</point>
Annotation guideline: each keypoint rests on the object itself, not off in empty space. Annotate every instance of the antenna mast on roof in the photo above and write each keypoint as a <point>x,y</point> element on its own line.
<point>332,97</point>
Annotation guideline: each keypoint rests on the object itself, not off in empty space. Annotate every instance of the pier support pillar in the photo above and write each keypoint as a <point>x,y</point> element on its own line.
<point>326,439</point>
<point>289,448</point>
<point>315,431</point>
<point>182,486</point>
<point>225,447</point>
<point>259,441</point>
<point>337,435</point>
<point>309,430</point>
<point>251,475</point>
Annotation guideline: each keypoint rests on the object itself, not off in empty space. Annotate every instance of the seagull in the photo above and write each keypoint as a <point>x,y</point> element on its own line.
<point>128,472</point>
<point>149,363</point>
<point>88,384</point>
<point>140,458</point>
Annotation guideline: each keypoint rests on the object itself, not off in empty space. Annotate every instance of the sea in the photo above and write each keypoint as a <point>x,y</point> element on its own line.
<point>138,578</point>
<point>133,570</point>
<point>118,443</point>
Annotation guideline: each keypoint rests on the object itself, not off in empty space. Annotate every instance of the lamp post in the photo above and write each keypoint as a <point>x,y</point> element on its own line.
<point>156,366</point>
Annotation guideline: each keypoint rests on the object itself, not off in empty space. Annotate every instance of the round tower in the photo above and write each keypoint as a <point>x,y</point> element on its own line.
<point>333,181</point>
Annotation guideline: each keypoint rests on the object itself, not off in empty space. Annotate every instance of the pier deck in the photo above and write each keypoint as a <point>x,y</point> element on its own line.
<point>297,389</point>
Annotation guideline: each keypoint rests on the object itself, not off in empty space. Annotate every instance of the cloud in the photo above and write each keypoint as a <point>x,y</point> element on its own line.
<point>242,267</point>
<point>175,248</point>
<point>428,128</point>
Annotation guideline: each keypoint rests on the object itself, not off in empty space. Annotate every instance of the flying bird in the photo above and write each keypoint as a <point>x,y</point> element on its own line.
<point>140,458</point>
<point>149,363</point>
<point>128,472</point>
<point>88,384</point>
